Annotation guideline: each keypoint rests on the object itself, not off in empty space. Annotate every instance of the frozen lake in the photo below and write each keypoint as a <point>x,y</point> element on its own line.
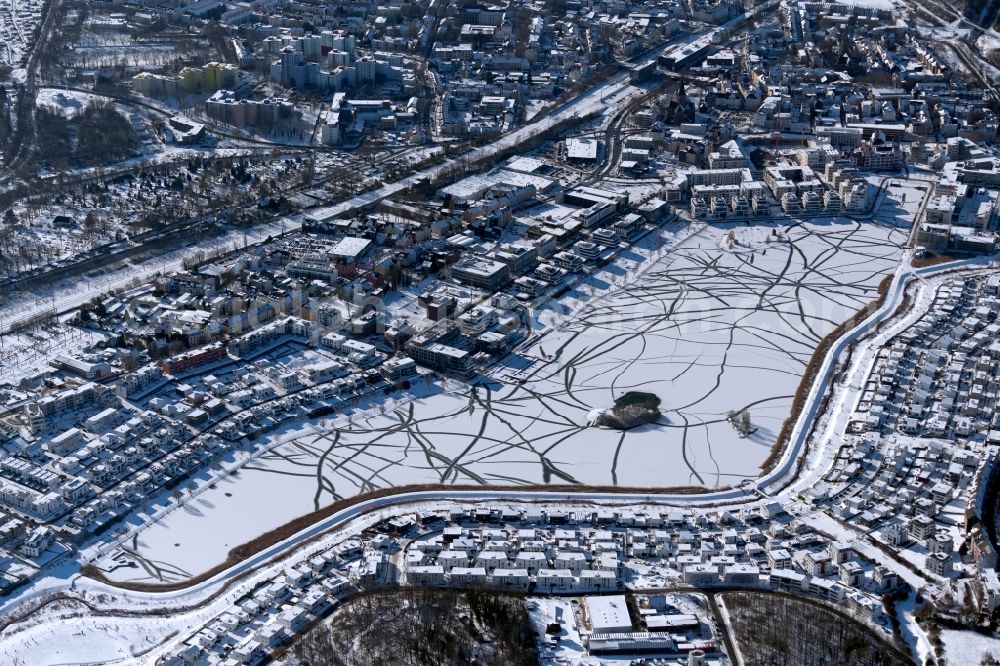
<point>725,321</point>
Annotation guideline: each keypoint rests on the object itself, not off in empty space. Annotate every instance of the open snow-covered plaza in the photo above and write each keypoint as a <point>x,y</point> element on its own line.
<point>723,321</point>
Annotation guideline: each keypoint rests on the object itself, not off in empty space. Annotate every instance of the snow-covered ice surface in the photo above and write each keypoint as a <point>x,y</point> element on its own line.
<point>707,328</point>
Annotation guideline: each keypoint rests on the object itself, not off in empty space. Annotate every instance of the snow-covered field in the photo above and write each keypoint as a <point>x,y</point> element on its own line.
<point>707,328</point>
<point>61,635</point>
<point>87,640</point>
<point>69,103</point>
<point>968,647</point>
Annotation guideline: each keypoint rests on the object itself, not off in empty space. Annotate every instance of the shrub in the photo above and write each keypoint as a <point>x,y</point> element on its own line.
<point>633,409</point>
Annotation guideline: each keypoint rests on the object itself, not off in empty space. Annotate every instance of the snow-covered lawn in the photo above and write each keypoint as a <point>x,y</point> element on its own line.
<point>967,648</point>
<point>142,56</point>
<point>61,635</point>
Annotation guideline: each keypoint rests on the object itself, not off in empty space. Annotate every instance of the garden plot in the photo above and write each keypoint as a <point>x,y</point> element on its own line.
<point>725,321</point>
<point>36,235</point>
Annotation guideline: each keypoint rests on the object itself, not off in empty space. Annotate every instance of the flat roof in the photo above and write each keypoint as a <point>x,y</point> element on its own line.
<point>80,364</point>
<point>479,266</point>
<point>473,186</point>
<point>524,164</point>
<point>608,614</point>
<point>447,350</point>
<point>581,149</point>
<point>671,621</point>
<point>350,246</point>
<point>520,179</point>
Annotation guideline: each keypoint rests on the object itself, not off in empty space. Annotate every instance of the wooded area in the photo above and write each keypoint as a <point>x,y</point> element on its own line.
<point>779,630</point>
<point>423,628</point>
